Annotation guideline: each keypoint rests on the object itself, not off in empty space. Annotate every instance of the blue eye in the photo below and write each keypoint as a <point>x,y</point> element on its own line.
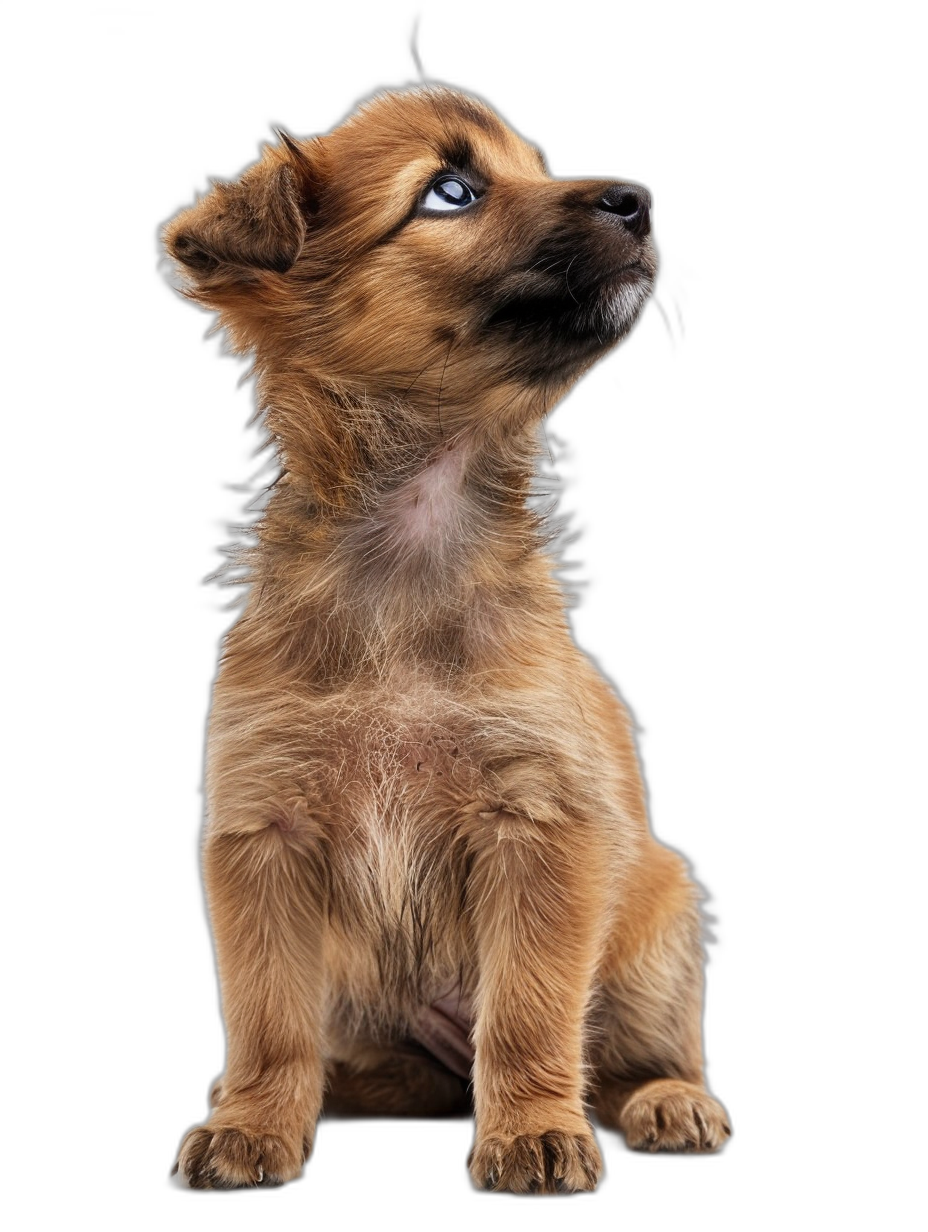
<point>449,193</point>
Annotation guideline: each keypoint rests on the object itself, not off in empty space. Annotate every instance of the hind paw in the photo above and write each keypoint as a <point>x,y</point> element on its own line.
<point>669,1115</point>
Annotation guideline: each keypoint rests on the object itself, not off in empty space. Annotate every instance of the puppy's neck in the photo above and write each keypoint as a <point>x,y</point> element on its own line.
<point>427,509</point>
<point>388,542</point>
<point>390,461</point>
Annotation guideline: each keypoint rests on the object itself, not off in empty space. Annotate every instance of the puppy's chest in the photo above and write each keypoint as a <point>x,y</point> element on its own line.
<point>394,759</point>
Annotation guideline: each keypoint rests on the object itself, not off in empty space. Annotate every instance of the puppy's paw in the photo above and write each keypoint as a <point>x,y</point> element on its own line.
<point>226,1158</point>
<point>669,1115</point>
<point>552,1162</point>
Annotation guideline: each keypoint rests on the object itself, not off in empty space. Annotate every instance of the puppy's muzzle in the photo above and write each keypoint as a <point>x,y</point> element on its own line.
<point>632,204</point>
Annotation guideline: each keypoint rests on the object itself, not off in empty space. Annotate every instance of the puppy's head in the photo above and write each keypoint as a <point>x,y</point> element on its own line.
<point>421,251</point>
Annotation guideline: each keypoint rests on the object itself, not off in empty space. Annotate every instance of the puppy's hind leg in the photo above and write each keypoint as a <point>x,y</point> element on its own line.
<point>266,909</point>
<point>647,1050</point>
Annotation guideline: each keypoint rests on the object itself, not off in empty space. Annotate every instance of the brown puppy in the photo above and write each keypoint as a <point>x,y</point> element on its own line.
<point>427,842</point>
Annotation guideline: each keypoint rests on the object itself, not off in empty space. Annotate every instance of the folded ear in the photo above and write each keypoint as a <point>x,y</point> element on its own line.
<point>257,222</point>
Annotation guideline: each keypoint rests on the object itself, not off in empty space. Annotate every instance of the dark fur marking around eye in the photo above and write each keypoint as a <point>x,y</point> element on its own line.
<point>450,167</point>
<point>460,155</point>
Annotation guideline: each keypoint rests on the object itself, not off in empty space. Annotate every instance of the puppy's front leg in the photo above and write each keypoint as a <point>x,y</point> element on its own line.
<point>266,912</point>
<point>536,897</point>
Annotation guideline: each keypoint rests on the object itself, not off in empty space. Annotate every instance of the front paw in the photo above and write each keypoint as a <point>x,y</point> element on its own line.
<point>225,1158</point>
<point>551,1162</point>
<point>671,1115</point>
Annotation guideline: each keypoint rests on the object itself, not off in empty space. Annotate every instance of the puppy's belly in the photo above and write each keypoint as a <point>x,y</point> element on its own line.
<point>398,959</point>
<point>445,1028</point>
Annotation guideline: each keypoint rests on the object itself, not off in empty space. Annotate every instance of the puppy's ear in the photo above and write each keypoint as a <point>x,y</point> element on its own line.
<point>256,223</point>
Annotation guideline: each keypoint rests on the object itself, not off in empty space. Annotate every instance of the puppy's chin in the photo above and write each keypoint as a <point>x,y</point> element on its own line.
<point>622,297</point>
<point>550,337</point>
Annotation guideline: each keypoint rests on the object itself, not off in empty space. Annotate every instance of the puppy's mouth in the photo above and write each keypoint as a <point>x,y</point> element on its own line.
<point>554,321</point>
<point>627,269</point>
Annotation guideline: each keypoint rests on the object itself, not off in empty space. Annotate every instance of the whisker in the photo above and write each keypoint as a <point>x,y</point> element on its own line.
<point>664,317</point>
<point>441,385</point>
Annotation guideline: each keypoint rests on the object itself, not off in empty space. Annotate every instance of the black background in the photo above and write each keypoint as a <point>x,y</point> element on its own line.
<point>664,481</point>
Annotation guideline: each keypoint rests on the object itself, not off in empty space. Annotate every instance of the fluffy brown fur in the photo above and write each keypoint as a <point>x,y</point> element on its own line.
<point>421,794</point>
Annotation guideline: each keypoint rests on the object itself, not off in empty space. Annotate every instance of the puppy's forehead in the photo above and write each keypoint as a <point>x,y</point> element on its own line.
<point>429,128</point>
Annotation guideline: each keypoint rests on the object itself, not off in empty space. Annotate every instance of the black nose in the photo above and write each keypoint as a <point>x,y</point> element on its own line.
<point>632,204</point>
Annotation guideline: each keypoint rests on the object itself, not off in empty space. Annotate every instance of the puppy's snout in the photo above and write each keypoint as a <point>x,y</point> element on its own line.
<point>632,203</point>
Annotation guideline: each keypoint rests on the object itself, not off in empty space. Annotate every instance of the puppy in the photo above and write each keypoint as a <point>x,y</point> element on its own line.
<point>427,856</point>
